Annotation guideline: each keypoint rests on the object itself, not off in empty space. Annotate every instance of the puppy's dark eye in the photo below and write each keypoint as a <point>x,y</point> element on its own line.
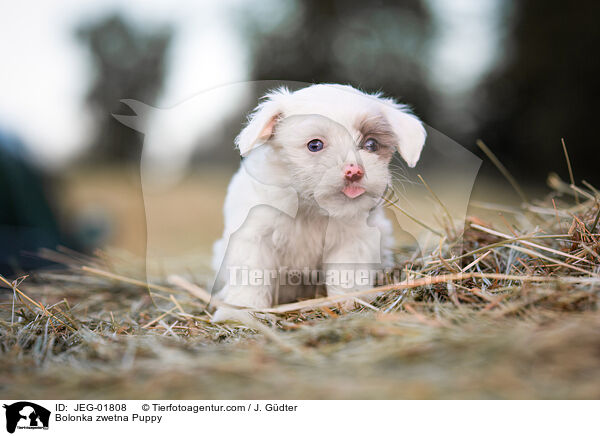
<point>315,145</point>
<point>371,145</point>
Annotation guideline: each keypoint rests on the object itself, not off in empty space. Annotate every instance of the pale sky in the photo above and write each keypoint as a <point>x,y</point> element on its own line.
<point>44,72</point>
<point>468,35</point>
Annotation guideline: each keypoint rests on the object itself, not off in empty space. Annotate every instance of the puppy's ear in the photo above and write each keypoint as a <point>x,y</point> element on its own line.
<point>261,122</point>
<point>408,129</point>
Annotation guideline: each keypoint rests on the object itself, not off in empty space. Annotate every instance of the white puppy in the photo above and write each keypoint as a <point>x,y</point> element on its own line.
<point>307,198</point>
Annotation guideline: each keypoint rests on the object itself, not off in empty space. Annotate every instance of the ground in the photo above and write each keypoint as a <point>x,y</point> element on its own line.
<point>504,316</point>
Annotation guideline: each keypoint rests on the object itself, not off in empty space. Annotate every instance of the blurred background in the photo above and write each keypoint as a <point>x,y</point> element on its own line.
<point>520,75</point>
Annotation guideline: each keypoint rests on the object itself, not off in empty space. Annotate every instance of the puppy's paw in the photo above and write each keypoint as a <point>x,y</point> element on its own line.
<point>224,314</point>
<point>348,305</point>
<point>352,303</point>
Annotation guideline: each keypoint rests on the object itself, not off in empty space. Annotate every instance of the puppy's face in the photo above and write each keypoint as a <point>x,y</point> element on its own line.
<point>343,168</point>
<point>334,143</point>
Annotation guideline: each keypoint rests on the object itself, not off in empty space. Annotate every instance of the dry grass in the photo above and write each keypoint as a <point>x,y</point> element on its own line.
<point>490,314</point>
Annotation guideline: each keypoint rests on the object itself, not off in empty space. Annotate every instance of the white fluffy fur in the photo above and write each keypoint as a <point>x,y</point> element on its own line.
<point>284,207</point>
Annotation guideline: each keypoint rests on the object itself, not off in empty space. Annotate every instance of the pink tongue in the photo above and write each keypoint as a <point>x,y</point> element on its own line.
<point>353,191</point>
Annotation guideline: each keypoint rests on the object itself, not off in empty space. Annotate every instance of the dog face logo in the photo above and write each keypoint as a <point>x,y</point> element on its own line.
<point>26,415</point>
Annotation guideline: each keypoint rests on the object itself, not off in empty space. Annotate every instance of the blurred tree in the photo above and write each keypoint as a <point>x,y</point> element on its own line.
<point>128,64</point>
<point>378,45</point>
<point>545,88</point>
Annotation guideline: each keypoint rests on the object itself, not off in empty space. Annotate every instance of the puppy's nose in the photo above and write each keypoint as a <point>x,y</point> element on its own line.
<point>353,172</point>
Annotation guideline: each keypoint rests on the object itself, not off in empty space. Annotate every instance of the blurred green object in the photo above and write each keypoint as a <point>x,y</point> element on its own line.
<point>27,222</point>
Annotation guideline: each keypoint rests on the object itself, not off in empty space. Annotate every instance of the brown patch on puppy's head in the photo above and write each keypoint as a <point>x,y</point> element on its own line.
<point>377,128</point>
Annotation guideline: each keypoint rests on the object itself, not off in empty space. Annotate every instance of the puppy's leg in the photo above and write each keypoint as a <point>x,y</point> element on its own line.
<point>248,271</point>
<point>248,284</point>
<point>359,255</point>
